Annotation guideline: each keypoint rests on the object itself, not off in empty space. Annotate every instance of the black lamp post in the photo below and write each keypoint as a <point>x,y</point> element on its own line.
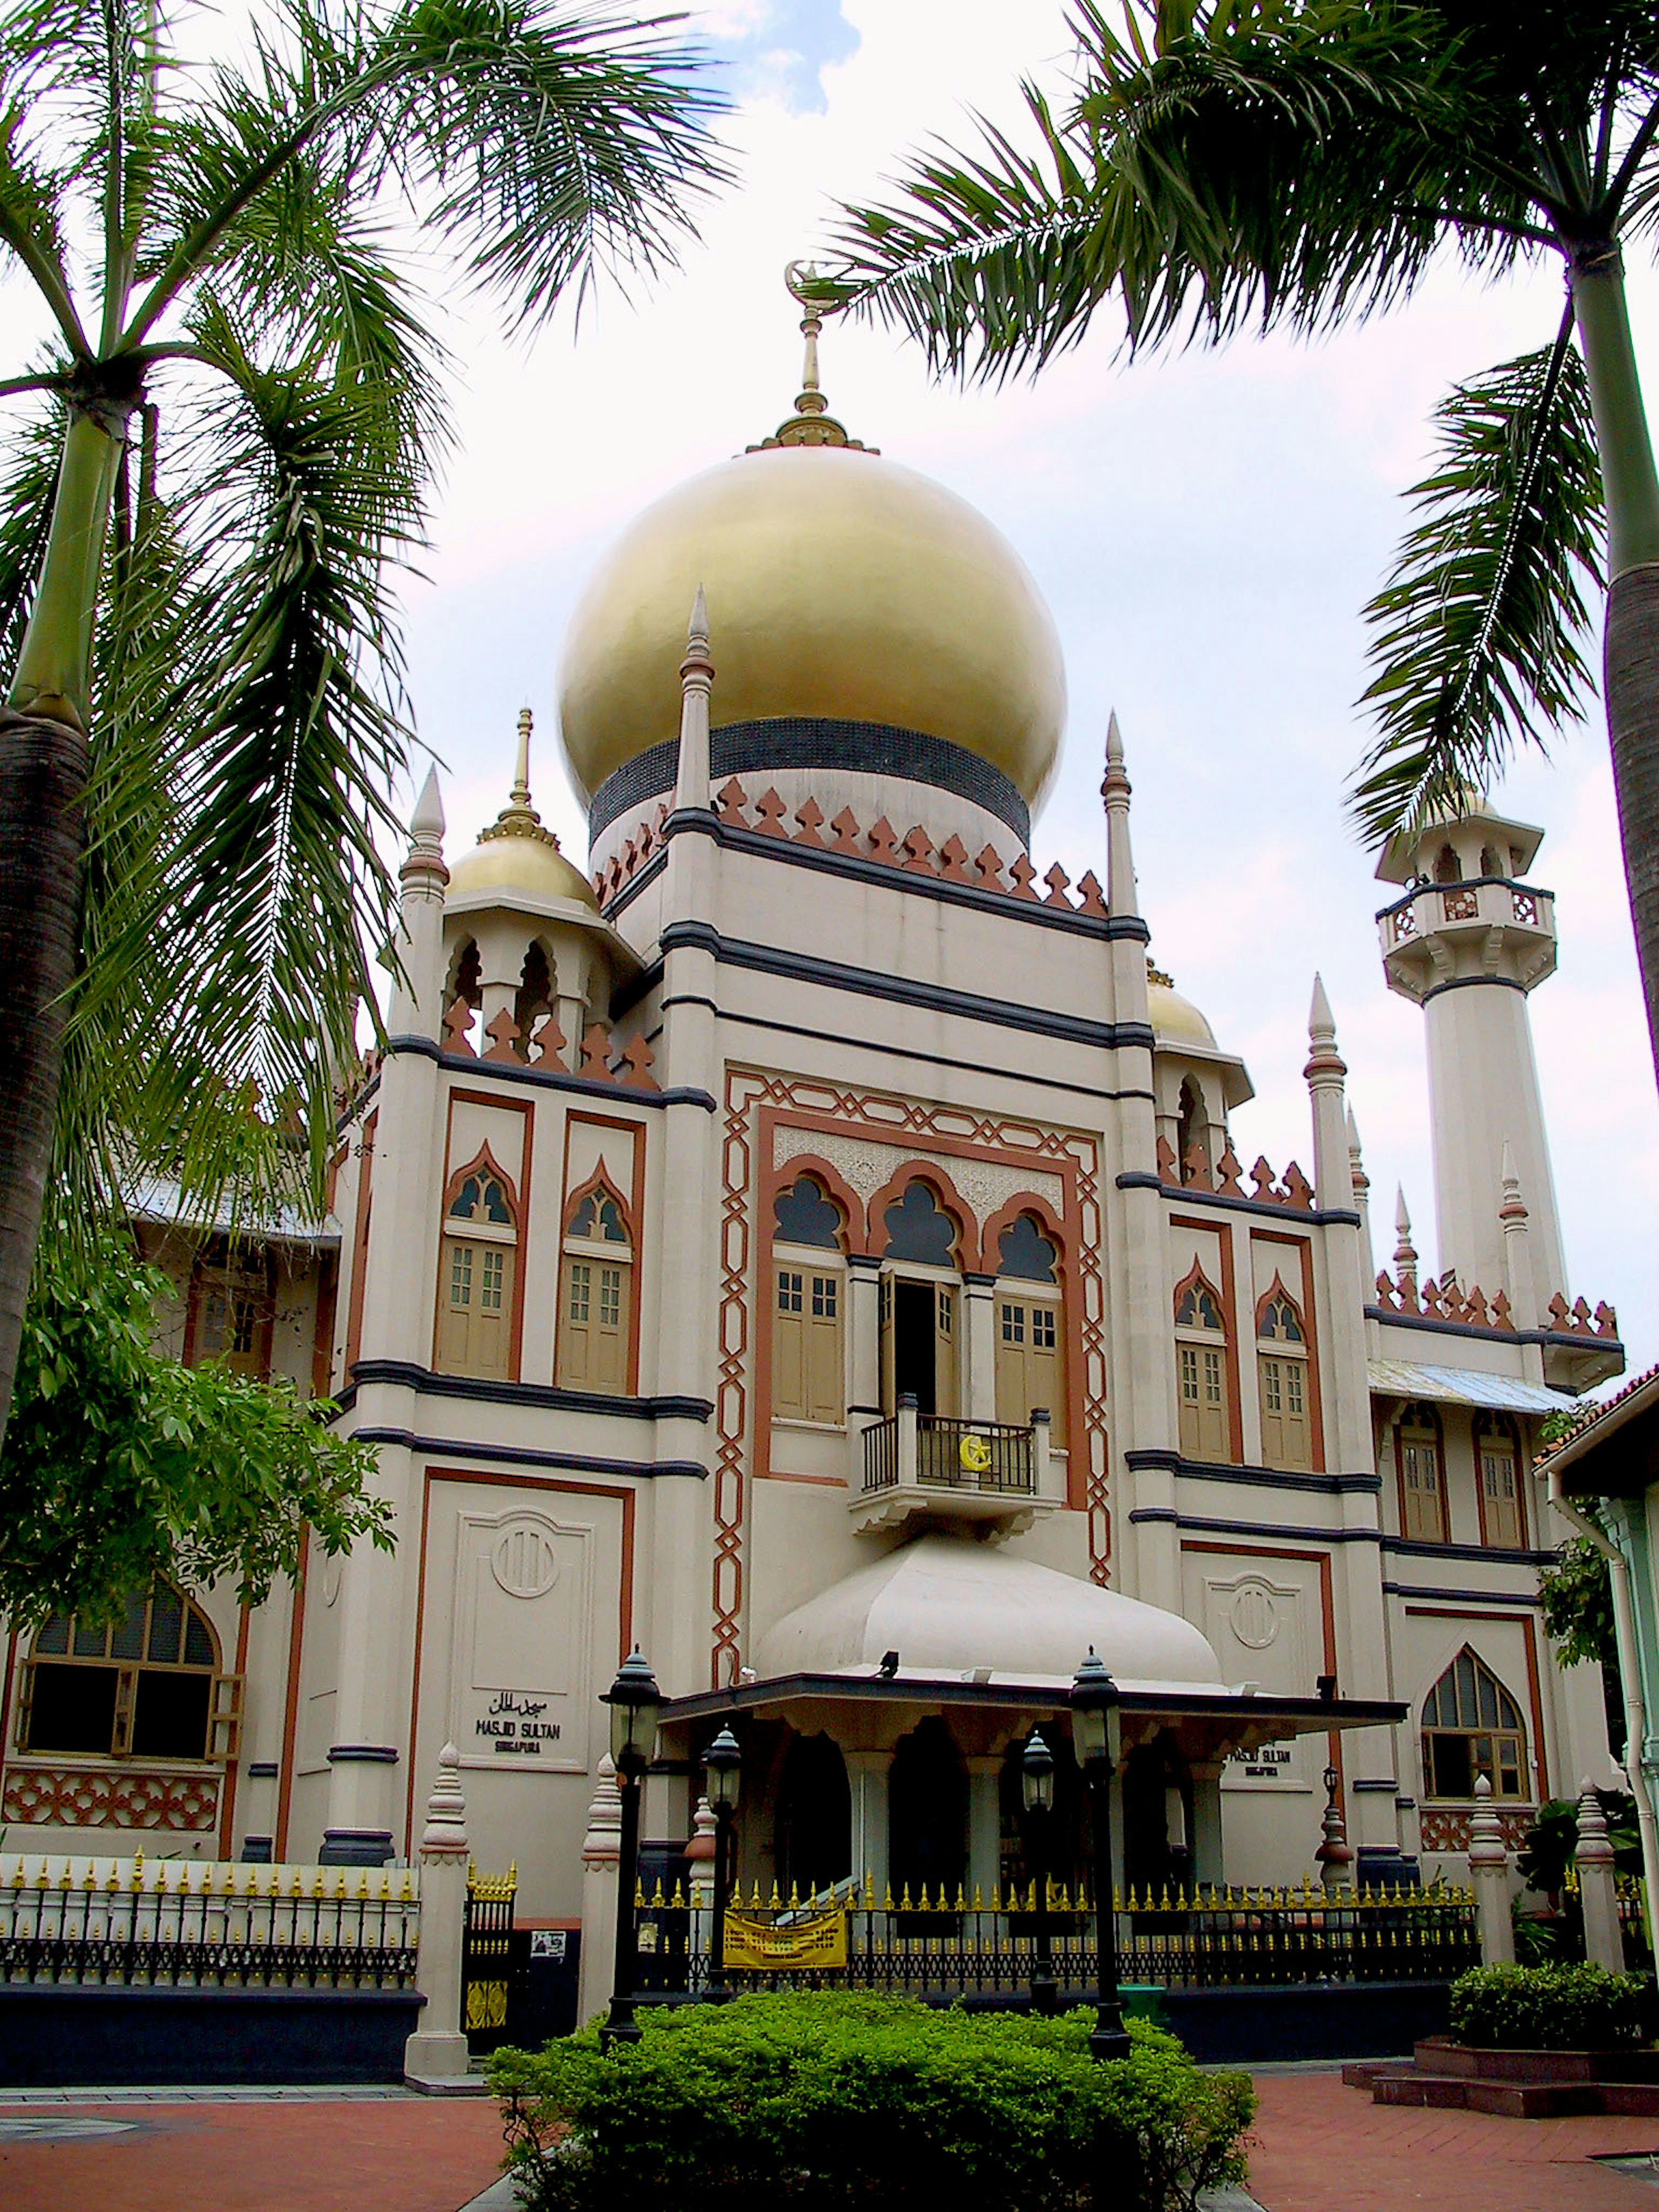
<point>1094,1738</point>
<point>634,1701</point>
<point>723,1765</point>
<point>1036,1783</point>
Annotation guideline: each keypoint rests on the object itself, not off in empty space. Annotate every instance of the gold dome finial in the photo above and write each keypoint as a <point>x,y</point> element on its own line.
<point>519,818</point>
<point>810,424</point>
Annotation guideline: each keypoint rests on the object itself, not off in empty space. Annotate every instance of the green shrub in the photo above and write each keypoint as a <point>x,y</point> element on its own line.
<point>830,2103</point>
<point>1547,2007</point>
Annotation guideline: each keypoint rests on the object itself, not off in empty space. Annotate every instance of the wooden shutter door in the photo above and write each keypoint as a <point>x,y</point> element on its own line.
<point>455,1304</point>
<point>610,1330</point>
<point>1214,1441</point>
<point>1013,1404</point>
<point>492,1315</point>
<point>789,1392</point>
<point>888,1385</point>
<point>823,1386</point>
<point>945,1349</point>
<point>575,1325</point>
<point>1273,1410</point>
<point>1045,1379</point>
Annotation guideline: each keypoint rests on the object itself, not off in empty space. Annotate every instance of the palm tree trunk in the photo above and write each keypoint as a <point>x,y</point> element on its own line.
<point>43,778</point>
<point>1630,649</point>
<point>45,759</point>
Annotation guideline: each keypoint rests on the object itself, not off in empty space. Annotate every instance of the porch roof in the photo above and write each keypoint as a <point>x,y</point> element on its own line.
<point>1251,1715</point>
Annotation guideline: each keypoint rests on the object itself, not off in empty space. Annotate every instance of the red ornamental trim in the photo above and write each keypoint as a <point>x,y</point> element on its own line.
<point>43,1796</point>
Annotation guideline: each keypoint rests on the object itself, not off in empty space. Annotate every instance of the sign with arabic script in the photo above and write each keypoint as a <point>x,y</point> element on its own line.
<point>519,1687</point>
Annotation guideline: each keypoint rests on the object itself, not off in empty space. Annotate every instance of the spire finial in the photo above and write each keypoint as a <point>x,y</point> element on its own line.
<point>426,823</point>
<point>810,424</point>
<point>519,818</point>
<point>1405,1255</point>
<point>1513,1205</point>
<point>1321,1022</point>
<point>696,630</point>
<point>521,774</point>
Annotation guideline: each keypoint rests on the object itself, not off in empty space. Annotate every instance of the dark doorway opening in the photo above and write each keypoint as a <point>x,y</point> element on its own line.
<point>914,1368</point>
<point>814,1842</point>
<point>927,1814</point>
<point>1158,1819</point>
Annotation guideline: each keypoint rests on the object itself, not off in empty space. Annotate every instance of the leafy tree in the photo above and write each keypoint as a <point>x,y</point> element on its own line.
<point>1577,1598</point>
<point>220,457</point>
<point>1225,165</point>
<point>120,1466</point>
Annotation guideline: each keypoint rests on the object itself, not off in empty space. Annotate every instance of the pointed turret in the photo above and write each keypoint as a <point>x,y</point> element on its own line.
<point>418,978</point>
<point>1120,898</point>
<point>1405,1253</point>
<point>696,685</point>
<point>1518,1279</point>
<point>1324,1072</point>
<point>1361,1183</point>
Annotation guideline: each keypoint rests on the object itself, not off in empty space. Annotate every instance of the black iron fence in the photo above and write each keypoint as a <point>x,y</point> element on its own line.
<point>180,1924</point>
<point>487,1957</point>
<point>993,1456</point>
<point>939,1946</point>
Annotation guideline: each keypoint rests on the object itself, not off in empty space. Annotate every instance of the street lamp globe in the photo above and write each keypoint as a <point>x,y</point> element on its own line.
<point>723,1762</point>
<point>1036,1775</point>
<point>1094,1710</point>
<point>634,1701</point>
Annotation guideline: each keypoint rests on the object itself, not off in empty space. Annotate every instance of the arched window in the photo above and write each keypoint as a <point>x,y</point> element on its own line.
<point>1422,1475</point>
<point>534,1001</point>
<point>1503,1511</point>
<point>465,979</point>
<point>1205,1432</point>
<point>1448,869</point>
<point>596,1295</point>
<point>1030,1333</point>
<point>1282,1380</point>
<point>147,1686</point>
<point>478,1275</point>
<point>1472,1726</point>
<point>919,1228</point>
<point>809,1293</point>
<point>1190,1129</point>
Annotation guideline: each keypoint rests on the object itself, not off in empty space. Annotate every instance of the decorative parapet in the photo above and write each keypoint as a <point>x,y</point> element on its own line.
<point>914,854</point>
<point>603,1060</point>
<point>1226,1177</point>
<point>1444,1301</point>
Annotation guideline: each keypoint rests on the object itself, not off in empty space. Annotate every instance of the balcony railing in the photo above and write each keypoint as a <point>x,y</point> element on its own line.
<point>1492,901</point>
<point>936,1452</point>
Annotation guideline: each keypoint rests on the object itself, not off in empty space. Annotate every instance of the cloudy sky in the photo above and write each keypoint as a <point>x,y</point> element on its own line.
<point>1206,527</point>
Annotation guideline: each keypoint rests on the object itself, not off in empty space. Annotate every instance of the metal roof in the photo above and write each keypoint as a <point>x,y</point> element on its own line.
<point>1465,1386</point>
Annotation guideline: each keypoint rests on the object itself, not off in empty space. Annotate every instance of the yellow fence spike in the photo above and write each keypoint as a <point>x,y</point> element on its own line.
<point>887,1905</point>
<point>639,1895</point>
<point>869,1890</point>
<point>977,1906</point>
<point>1117,1901</point>
<point>677,1900</point>
<point>962,1901</point>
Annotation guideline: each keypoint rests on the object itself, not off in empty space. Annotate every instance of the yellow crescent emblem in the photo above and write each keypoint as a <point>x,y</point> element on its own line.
<point>974,1454</point>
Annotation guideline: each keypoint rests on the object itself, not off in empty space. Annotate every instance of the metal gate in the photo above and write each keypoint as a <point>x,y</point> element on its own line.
<point>486,1957</point>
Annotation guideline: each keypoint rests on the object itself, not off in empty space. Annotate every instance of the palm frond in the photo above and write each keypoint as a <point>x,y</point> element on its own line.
<point>1295,161</point>
<point>27,483</point>
<point>1475,638</point>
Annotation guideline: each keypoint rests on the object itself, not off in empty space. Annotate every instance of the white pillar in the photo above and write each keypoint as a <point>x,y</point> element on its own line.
<point>984,1825</point>
<point>601,1853</point>
<point>438,2049</point>
<point>700,1877</point>
<point>978,1300</point>
<point>1489,1872</point>
<point>1604,1945</point>
<point>867,1773</point>
<point>1206,1822</point>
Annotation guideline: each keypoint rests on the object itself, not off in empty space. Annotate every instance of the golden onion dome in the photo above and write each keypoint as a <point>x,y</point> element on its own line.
<point>1176,1020</point>
<point>841,587</point>
<point>517,856</point>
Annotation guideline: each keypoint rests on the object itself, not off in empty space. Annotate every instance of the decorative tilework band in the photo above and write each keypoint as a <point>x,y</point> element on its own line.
<point>814,742</point>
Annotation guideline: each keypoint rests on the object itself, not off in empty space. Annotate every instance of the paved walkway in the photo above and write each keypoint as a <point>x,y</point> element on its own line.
<point>1318,2147</point>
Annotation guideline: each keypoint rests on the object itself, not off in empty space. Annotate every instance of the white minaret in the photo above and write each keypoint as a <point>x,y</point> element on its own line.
<point>1466,943</point>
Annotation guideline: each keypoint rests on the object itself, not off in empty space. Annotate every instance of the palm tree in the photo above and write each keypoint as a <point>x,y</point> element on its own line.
<point>1227,165</point>
<point>219,461</point>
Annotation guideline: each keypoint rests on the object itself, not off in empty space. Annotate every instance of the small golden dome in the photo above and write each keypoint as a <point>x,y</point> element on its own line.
<point>1176,1020</point>
<point>517,854</point>
<point>840,587</point>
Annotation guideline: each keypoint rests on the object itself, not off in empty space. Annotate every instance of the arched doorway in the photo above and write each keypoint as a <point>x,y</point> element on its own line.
<point>927,1814</point>
<point>813,1843</point>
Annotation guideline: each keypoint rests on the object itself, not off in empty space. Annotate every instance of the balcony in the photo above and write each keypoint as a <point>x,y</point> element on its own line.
<point>1482,925</point>
<point>939,1467</point>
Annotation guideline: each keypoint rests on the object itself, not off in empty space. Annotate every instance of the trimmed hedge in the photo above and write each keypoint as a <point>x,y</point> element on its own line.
<point>831,2103</point>
<point>1547,2009</point>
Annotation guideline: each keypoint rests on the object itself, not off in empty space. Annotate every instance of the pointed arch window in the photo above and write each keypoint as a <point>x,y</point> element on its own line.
<point>1497,1462</point>
<point>1204,1429</point>
<point>596,1295</point>
<point>917,1311</point>
<point>1030,1331</point>
<point>478,1275</point>
<point>809,1306</point>
<point>1283,1382</point>
<point>1472,1726</point>
<point>1422,1475</point>
<point>146,1686</point>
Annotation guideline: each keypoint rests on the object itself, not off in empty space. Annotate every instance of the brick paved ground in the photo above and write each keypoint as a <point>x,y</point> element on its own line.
<point>400,2154</point>
<point>1321,2148</point>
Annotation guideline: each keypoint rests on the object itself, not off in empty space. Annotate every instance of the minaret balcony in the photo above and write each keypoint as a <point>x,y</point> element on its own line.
<point>1484,924</point>
<point>940,1468</point>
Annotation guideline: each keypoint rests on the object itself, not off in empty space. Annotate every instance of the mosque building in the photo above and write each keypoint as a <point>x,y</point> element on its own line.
<point>810,1245</point>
